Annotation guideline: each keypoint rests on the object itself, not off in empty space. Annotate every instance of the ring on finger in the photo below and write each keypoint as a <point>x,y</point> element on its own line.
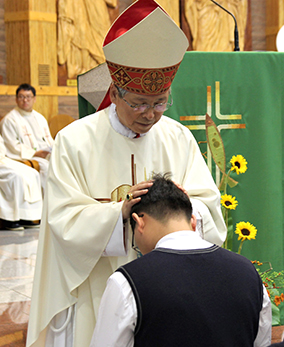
<point>129,196</point>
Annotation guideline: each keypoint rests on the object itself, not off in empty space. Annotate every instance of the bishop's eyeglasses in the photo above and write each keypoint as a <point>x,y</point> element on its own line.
<point>141,108</point>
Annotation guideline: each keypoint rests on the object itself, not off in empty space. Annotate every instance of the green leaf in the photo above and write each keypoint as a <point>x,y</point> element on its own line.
<point>275,314</point>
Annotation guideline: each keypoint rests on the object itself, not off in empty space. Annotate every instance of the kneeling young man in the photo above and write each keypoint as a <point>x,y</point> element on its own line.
<point>183,291</point>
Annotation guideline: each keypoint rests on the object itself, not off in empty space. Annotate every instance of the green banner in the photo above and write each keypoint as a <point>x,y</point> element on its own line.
<point>243,93</point>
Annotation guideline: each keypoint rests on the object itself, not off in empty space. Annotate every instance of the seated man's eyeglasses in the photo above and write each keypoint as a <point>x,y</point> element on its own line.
<point>162,107</point>
<point>23,97</point>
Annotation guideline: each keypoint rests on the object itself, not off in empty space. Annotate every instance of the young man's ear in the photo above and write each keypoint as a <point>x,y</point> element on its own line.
<point>193,222</point>
<point>139,222</point>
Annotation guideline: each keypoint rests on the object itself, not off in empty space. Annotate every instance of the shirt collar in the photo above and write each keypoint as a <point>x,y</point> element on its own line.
<point>23,112</point>
<point>184,239</point>
<point>118,126</point>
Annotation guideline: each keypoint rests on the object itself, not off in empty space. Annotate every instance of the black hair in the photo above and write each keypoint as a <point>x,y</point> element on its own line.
<point>164,200</point>
<point>26,86</point>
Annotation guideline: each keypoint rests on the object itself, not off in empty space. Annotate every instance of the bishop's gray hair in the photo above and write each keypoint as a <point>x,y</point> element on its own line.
<point>122,92</point>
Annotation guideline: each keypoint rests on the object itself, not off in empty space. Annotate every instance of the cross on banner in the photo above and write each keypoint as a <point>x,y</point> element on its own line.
<point>220,126</point>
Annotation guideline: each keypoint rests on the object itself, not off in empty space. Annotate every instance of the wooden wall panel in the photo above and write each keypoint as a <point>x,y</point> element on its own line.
<point>31,47</point>
<point>31,38</point>
<point>2,45</point>
<point>274,21</point>
<point>258,15</point>
<point>17,54</point>
<point>47,105</point>
<point>16,5</point>
<point>68,105</point>
<point>43,6</point>
<point>7,103</point>
<point>43,55</point>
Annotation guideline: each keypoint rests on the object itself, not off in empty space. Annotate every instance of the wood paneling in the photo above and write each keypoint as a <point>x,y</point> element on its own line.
<point>30,5</point>
<point>30,40</point>
<point>31,47</point>
<point>44,52</point>
<point>41,90</point>
<point>274,21</point>
<point>16,5</point>
<point>66,105</point>
<point>2,44</point>
<point>64,100</point>
<point>7,103</point>
<point>47,106</point>
<point>30,16</point>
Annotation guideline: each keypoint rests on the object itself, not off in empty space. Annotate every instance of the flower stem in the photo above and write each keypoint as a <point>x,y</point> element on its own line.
<point>226,181</point>
<point>226,221</point>
<point>240,247</point>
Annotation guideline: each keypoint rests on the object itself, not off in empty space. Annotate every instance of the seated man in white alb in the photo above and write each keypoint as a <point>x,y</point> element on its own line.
<point>25,131</point>
<point>20,193</point>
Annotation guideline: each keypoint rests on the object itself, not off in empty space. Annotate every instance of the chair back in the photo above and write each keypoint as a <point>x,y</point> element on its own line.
<point>58,122</point>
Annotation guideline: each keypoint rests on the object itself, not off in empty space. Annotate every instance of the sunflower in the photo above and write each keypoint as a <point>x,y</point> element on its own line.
<point>239,164</point>
<point>246,231</point>
<point>229,202</point>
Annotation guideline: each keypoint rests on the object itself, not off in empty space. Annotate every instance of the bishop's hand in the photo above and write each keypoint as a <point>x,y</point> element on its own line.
<point>134,196</point>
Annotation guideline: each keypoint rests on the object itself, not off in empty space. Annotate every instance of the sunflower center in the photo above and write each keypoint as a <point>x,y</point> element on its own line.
<point>228,203</point>
<point>245,232</point>
<point>237,164</point>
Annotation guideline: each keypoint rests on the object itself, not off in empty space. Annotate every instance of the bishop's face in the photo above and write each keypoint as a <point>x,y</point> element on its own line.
<point>25,100</point>
<point>139,122</point>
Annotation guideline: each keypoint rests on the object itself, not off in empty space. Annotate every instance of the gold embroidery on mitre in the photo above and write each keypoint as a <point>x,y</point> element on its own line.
<point>142,81</point>
<point>122,77</point>
<point>153,81</point>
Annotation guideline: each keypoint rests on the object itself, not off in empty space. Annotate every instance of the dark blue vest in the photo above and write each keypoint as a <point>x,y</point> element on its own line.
<point>197,298</point>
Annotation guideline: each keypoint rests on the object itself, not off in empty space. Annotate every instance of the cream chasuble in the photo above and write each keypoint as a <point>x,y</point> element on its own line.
<point>88,162</point>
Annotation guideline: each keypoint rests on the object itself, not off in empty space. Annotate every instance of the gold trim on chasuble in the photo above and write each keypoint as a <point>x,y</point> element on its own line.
<point>119,193</point>
<point>142,81</point>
